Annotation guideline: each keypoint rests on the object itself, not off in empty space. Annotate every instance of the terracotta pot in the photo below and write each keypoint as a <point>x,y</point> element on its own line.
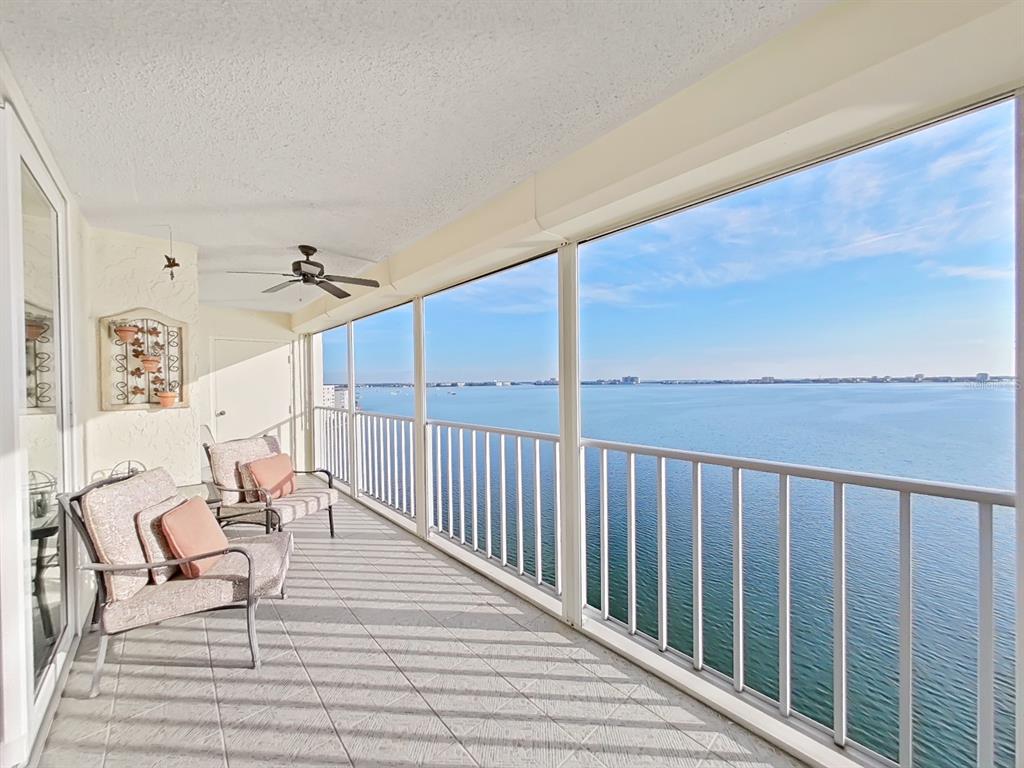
<point>34,329</point>
<point>167,399</point>
<point>126,332</point>
<point>150,363</point>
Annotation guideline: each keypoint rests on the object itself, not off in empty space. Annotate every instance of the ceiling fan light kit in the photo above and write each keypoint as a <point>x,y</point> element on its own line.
<point>309,272</point>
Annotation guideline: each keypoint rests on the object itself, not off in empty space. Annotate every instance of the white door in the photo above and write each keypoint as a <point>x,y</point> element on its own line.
<point>252,390</point>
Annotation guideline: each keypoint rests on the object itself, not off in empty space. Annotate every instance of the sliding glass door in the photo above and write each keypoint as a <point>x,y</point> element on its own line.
<point>40,424</point>
<point>37,603</point>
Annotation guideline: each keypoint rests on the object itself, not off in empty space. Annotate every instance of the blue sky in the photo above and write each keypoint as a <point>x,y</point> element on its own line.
<point>894,260</point>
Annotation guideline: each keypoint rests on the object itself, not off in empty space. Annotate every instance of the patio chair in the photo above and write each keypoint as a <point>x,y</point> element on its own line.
<point>241,501</point>
<point>139,581</point>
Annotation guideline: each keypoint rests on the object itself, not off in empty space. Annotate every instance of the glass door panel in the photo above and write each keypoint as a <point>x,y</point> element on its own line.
<point>40,424</point>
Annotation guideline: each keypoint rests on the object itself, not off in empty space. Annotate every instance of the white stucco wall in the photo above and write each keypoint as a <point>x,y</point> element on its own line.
<point>123,271</point>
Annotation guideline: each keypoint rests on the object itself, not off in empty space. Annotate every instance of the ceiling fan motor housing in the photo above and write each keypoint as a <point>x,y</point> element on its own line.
<point>303,268</point>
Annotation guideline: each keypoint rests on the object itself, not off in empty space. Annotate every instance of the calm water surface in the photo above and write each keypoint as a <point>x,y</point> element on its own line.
<point>947,432</point>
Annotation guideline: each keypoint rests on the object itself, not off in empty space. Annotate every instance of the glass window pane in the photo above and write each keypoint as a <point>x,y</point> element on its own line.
<point>40,425</point>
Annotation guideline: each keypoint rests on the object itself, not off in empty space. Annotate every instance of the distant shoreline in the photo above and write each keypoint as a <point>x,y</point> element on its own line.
<point>974,380</point>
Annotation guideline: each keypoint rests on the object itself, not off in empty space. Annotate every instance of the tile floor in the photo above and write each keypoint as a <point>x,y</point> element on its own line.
<point>385,653</point>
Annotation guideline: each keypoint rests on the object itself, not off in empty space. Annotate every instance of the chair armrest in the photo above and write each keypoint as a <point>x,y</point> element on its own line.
<point>263,492</point>
<point>327,472</point>
<point>109,568</point>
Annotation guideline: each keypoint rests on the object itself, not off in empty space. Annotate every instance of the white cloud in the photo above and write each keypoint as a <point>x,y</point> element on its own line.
<point>970,272</point>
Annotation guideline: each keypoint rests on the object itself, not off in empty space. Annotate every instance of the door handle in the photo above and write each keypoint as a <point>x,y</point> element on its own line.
<point>221,413</point>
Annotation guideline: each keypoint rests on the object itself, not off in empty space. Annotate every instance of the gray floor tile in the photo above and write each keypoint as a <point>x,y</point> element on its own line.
<point>385,654</point>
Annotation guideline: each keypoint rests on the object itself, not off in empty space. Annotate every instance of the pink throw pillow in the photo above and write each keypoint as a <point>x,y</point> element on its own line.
<point>191,529</point>
<point>275,473</point>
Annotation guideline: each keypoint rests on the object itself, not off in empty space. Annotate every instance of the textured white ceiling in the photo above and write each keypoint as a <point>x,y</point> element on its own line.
<point>354,126</point>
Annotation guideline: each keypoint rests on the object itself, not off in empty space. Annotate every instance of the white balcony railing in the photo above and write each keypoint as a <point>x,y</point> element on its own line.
<point>511,497</point>
<point>496,492</point>
<point>383,460</point>
<point>333,449</point>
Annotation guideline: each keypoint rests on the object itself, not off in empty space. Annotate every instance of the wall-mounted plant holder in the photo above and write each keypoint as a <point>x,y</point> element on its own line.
<point>142,358</point>
<point>39,370</point>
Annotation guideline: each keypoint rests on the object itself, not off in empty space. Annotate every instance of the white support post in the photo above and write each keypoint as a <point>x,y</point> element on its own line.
<point>421,440</point>
<point>571,517</point>
<point>311,347</point>
<point>1018,154</point>
<point>353,440</point>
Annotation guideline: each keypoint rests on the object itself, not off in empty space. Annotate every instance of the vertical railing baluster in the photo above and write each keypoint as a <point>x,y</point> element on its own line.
<point>631,542</point>
<point>538,537</point>
<point>462,487</point>
<point>839,615</point>
<point>603,532</point>
<point>662,545</point>
<point>371,429</point>
<point>439,503</point>
<point>519,504</point>
<point>583,524</point>
<point>368,454</point>
<point>785,698</point>
<point>697,542</point>
<point>388,472</point>
<point>405,496</point>
<point>381,459</point>
<point>375,457</point>
<point>501,475</point>
<point>451,495</point>
<point>558,521</point>
<point>394,450</point>
<point>473,484</point>
<point>986,639</point>
<point>487,491</point>
<point>906,759</point>
<point>361,452</point>
<point>737,579</point>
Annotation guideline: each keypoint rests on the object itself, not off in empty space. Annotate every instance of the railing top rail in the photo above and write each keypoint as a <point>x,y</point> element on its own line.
<point>378,414</point>
<point>994,496</point>
<point>502,430</point>
<point>330,408</point>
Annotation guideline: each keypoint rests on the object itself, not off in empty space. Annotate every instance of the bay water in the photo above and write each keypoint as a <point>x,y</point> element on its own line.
<point>955,433</point>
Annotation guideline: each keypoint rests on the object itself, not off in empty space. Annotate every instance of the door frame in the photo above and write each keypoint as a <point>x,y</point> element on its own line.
<point>23,702</point>
<point>292,402</point>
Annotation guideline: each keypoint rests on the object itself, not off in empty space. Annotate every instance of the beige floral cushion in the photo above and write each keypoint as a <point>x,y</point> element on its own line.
<point>227,460</point>
<point>312,495</point>
<point>151,534</point>
<point>223,584</point>
<point>109,514</point>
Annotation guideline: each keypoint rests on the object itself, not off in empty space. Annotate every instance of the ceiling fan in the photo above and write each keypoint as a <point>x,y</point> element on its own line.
<point>311,272</point>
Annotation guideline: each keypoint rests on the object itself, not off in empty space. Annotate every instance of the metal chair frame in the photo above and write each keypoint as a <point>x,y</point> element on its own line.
<point>71,506</point>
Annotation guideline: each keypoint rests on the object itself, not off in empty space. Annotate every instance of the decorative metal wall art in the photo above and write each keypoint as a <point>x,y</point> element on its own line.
<point>39,358</point>
<point>142,354</point>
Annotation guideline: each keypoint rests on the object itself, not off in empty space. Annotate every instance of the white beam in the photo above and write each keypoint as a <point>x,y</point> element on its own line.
<point>1019,409</point>
<point>421,452</point>
<point>353,438</point>
<point>572,517</point>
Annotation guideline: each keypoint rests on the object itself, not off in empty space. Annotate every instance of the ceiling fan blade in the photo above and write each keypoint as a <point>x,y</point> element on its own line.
<point>276,274</point>
<point>333,289</point>
<point>279,286</point>
<point>352,280</point>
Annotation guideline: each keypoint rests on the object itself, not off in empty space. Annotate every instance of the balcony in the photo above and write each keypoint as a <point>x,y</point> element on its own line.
<point>385,653</point>
<point>531,582</point>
